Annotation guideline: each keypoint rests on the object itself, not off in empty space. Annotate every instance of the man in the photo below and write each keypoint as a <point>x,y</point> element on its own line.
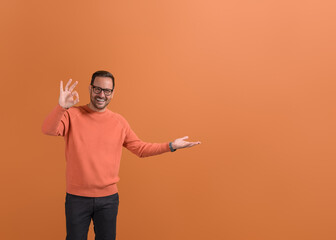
<point>94,137</point>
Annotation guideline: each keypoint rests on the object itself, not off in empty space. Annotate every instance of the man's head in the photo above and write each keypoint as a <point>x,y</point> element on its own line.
<point>101,90</point>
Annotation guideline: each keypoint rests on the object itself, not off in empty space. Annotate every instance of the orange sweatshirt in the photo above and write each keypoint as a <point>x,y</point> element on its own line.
<point>93,147</point>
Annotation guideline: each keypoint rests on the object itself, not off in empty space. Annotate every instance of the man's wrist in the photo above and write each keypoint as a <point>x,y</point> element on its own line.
<point>171,147</point>
<point>62,107</point>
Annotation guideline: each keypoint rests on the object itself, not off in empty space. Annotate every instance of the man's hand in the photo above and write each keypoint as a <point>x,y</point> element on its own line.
<point>66,99</point>
<point>180,143</point>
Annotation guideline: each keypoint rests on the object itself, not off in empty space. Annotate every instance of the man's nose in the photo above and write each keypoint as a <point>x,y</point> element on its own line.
<point>101,94</point>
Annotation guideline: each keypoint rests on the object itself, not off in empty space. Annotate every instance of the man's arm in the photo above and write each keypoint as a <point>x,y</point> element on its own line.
<point>141,148</point>
<point>145,149</point>
<point>56,123</point>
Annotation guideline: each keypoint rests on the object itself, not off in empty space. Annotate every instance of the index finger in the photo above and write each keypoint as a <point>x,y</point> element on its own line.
<point>73,86</point>
<point>67,85</point>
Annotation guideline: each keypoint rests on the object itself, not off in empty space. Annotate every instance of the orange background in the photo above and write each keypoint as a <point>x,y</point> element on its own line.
<point>254,81</point>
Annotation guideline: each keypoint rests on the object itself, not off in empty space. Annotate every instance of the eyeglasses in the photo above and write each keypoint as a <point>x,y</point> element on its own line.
<point>98,90</point>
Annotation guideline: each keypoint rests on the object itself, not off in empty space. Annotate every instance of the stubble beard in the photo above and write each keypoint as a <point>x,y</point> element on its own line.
<point>100,107</point>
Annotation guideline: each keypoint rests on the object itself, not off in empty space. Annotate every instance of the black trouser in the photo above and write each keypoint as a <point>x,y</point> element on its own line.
<point>80,210</point>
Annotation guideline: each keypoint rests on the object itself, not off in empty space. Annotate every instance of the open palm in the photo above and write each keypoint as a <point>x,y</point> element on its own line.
<point>181,143</point>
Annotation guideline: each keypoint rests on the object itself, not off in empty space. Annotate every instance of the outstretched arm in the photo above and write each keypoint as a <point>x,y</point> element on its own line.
<point>146,149</point>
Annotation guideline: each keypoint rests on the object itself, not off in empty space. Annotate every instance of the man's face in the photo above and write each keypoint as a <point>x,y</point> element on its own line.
<point>100,100</point>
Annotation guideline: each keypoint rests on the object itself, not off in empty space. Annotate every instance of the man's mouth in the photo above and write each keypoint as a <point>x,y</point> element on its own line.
<point>100,100</point>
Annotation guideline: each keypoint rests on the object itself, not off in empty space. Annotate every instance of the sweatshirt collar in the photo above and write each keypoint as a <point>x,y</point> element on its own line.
<point>88,109</point>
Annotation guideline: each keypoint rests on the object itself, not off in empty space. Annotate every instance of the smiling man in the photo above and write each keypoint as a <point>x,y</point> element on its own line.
<point>94,137</point>
<point>101,90</point>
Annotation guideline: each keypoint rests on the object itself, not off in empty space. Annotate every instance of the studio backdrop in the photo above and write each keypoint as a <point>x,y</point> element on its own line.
<point>254,81</point>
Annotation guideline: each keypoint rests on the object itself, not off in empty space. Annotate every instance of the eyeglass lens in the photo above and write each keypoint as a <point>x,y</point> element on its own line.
<point>98,90</point>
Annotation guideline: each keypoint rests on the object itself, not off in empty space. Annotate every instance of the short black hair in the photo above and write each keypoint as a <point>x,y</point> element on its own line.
<point>102,73</point>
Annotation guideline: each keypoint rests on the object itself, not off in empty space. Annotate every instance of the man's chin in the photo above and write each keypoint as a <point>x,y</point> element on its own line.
<point>98,106</point>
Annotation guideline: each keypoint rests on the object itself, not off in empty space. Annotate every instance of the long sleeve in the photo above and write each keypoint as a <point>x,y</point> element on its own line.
<point>143,149</point>
<point>57,122</point>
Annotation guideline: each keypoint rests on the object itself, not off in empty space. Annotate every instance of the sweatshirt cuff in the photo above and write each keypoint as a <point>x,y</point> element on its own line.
<point>61,109</point>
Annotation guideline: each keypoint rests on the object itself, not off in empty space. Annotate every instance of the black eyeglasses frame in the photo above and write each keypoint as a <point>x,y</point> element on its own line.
<point>102,89</point>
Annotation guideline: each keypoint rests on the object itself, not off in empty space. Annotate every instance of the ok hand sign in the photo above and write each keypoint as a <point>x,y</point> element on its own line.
<point>67,96</point>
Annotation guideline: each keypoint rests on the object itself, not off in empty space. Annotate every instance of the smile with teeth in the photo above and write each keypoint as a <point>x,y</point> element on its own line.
<point>101,100</point>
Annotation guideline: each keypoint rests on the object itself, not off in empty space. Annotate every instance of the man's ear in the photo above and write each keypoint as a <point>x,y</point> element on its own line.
<point>90,87</point>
